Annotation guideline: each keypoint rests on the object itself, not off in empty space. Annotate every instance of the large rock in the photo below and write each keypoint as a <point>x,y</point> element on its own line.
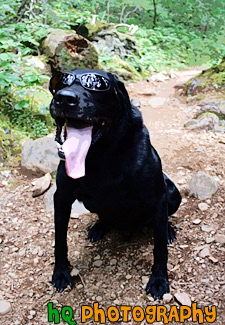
<point>210,116</point>
<point>67,50</point>
<point>77,208</point>
<point>206,121</point>
<point>40,155</point>
<point>213,106</point>
<point>202,186</point>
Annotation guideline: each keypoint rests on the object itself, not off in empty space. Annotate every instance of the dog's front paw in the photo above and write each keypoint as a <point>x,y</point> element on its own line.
<point>61,278</point>
<point>157,286</point>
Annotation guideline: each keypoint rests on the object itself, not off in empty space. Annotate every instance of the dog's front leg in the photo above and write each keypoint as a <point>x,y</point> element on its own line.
<point>158,284</point>
<point>61,276</point>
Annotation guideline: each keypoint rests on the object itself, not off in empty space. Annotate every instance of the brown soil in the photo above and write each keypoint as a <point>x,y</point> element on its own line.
<point>27,231</point>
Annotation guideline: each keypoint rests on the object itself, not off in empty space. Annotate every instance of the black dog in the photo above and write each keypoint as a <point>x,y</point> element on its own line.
<point>110,166</point>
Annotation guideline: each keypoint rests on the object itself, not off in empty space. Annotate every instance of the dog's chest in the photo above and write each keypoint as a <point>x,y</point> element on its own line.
<point>107,191</point>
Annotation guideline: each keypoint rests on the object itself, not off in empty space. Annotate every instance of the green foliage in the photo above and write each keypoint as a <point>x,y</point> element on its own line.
<point>171,34</point>
<point>17,81</point>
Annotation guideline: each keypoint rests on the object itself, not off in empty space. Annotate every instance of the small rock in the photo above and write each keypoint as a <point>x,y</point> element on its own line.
<point>167,297</point>
<point>147,93</point>
<point>203,206</point>
<point>79,286</point>
<point>183,246</point>
<point>98,298</point>
<point>97,257</point>
<point>40,252</point>
<point>202,186</point>
<point>206,228</point>
<point>36,260</point>
<point>209,240</point>
<point>41,185</point>
<point>74,272</point>
<point>205,252</point>
<point>116,302</point>
<point>213,259</point>
<point>32,312</point>
<point>35,251</point>
<point>136,102</point>
<point>144,279</point>
<point>183,298</point>
<point>129,299</point>
<point>220,238</point>
<point>113,261</point>
<point>197,221</point>
<point>128,276</point>
<point>150,298</point>
<point>157,101</point>
<point>5,307</point>
<point>12,274</point>
<point>160,76</point>
<point>22,252</point>
<point>97,263</point>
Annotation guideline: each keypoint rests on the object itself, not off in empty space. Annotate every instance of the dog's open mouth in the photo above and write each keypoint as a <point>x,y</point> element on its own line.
<point>79,134</point>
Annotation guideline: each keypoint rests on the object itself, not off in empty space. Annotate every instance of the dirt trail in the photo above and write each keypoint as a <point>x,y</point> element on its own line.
<point>113,272</point>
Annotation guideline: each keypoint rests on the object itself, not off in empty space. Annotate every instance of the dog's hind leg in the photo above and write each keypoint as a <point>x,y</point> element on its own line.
<point>173,195</point>
<point>98,231</point>
<point>171,234</point>
<point>173,202</point>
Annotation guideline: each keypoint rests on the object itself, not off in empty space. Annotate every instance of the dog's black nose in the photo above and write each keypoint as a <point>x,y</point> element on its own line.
<point>65,97</point>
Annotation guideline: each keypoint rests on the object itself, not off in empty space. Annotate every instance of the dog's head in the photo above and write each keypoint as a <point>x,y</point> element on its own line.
<point>89,103</point>
<point>84,98</point>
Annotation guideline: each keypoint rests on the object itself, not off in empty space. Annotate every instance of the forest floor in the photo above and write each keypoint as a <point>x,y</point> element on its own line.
<point>113,272</point>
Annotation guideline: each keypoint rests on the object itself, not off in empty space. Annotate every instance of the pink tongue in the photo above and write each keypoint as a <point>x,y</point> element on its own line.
<point>75,149</point>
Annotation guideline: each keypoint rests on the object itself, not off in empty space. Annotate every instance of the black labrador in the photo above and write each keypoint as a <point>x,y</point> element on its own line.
<point>109,164</point>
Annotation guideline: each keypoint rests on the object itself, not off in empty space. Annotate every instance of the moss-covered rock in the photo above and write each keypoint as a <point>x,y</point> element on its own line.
<point>212,78</point>
<point>67,50</point>
<point>124,69</point>
<point>211,116</point>
<point>95,28</point>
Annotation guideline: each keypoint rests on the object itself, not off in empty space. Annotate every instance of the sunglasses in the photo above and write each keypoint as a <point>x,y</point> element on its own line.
<point>90,81</point>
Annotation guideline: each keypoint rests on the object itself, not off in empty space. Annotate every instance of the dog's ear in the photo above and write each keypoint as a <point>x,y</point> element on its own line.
<point>121,92</point>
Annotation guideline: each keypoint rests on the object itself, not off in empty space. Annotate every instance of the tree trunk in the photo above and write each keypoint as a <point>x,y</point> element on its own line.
<point>155,14</point>
<point>107,11</point>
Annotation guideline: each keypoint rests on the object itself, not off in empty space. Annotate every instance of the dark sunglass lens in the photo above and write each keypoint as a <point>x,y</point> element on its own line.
<point>94,82</point>
<point>53,82</point>
<point>67,79</point>
<point>60,81</point>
